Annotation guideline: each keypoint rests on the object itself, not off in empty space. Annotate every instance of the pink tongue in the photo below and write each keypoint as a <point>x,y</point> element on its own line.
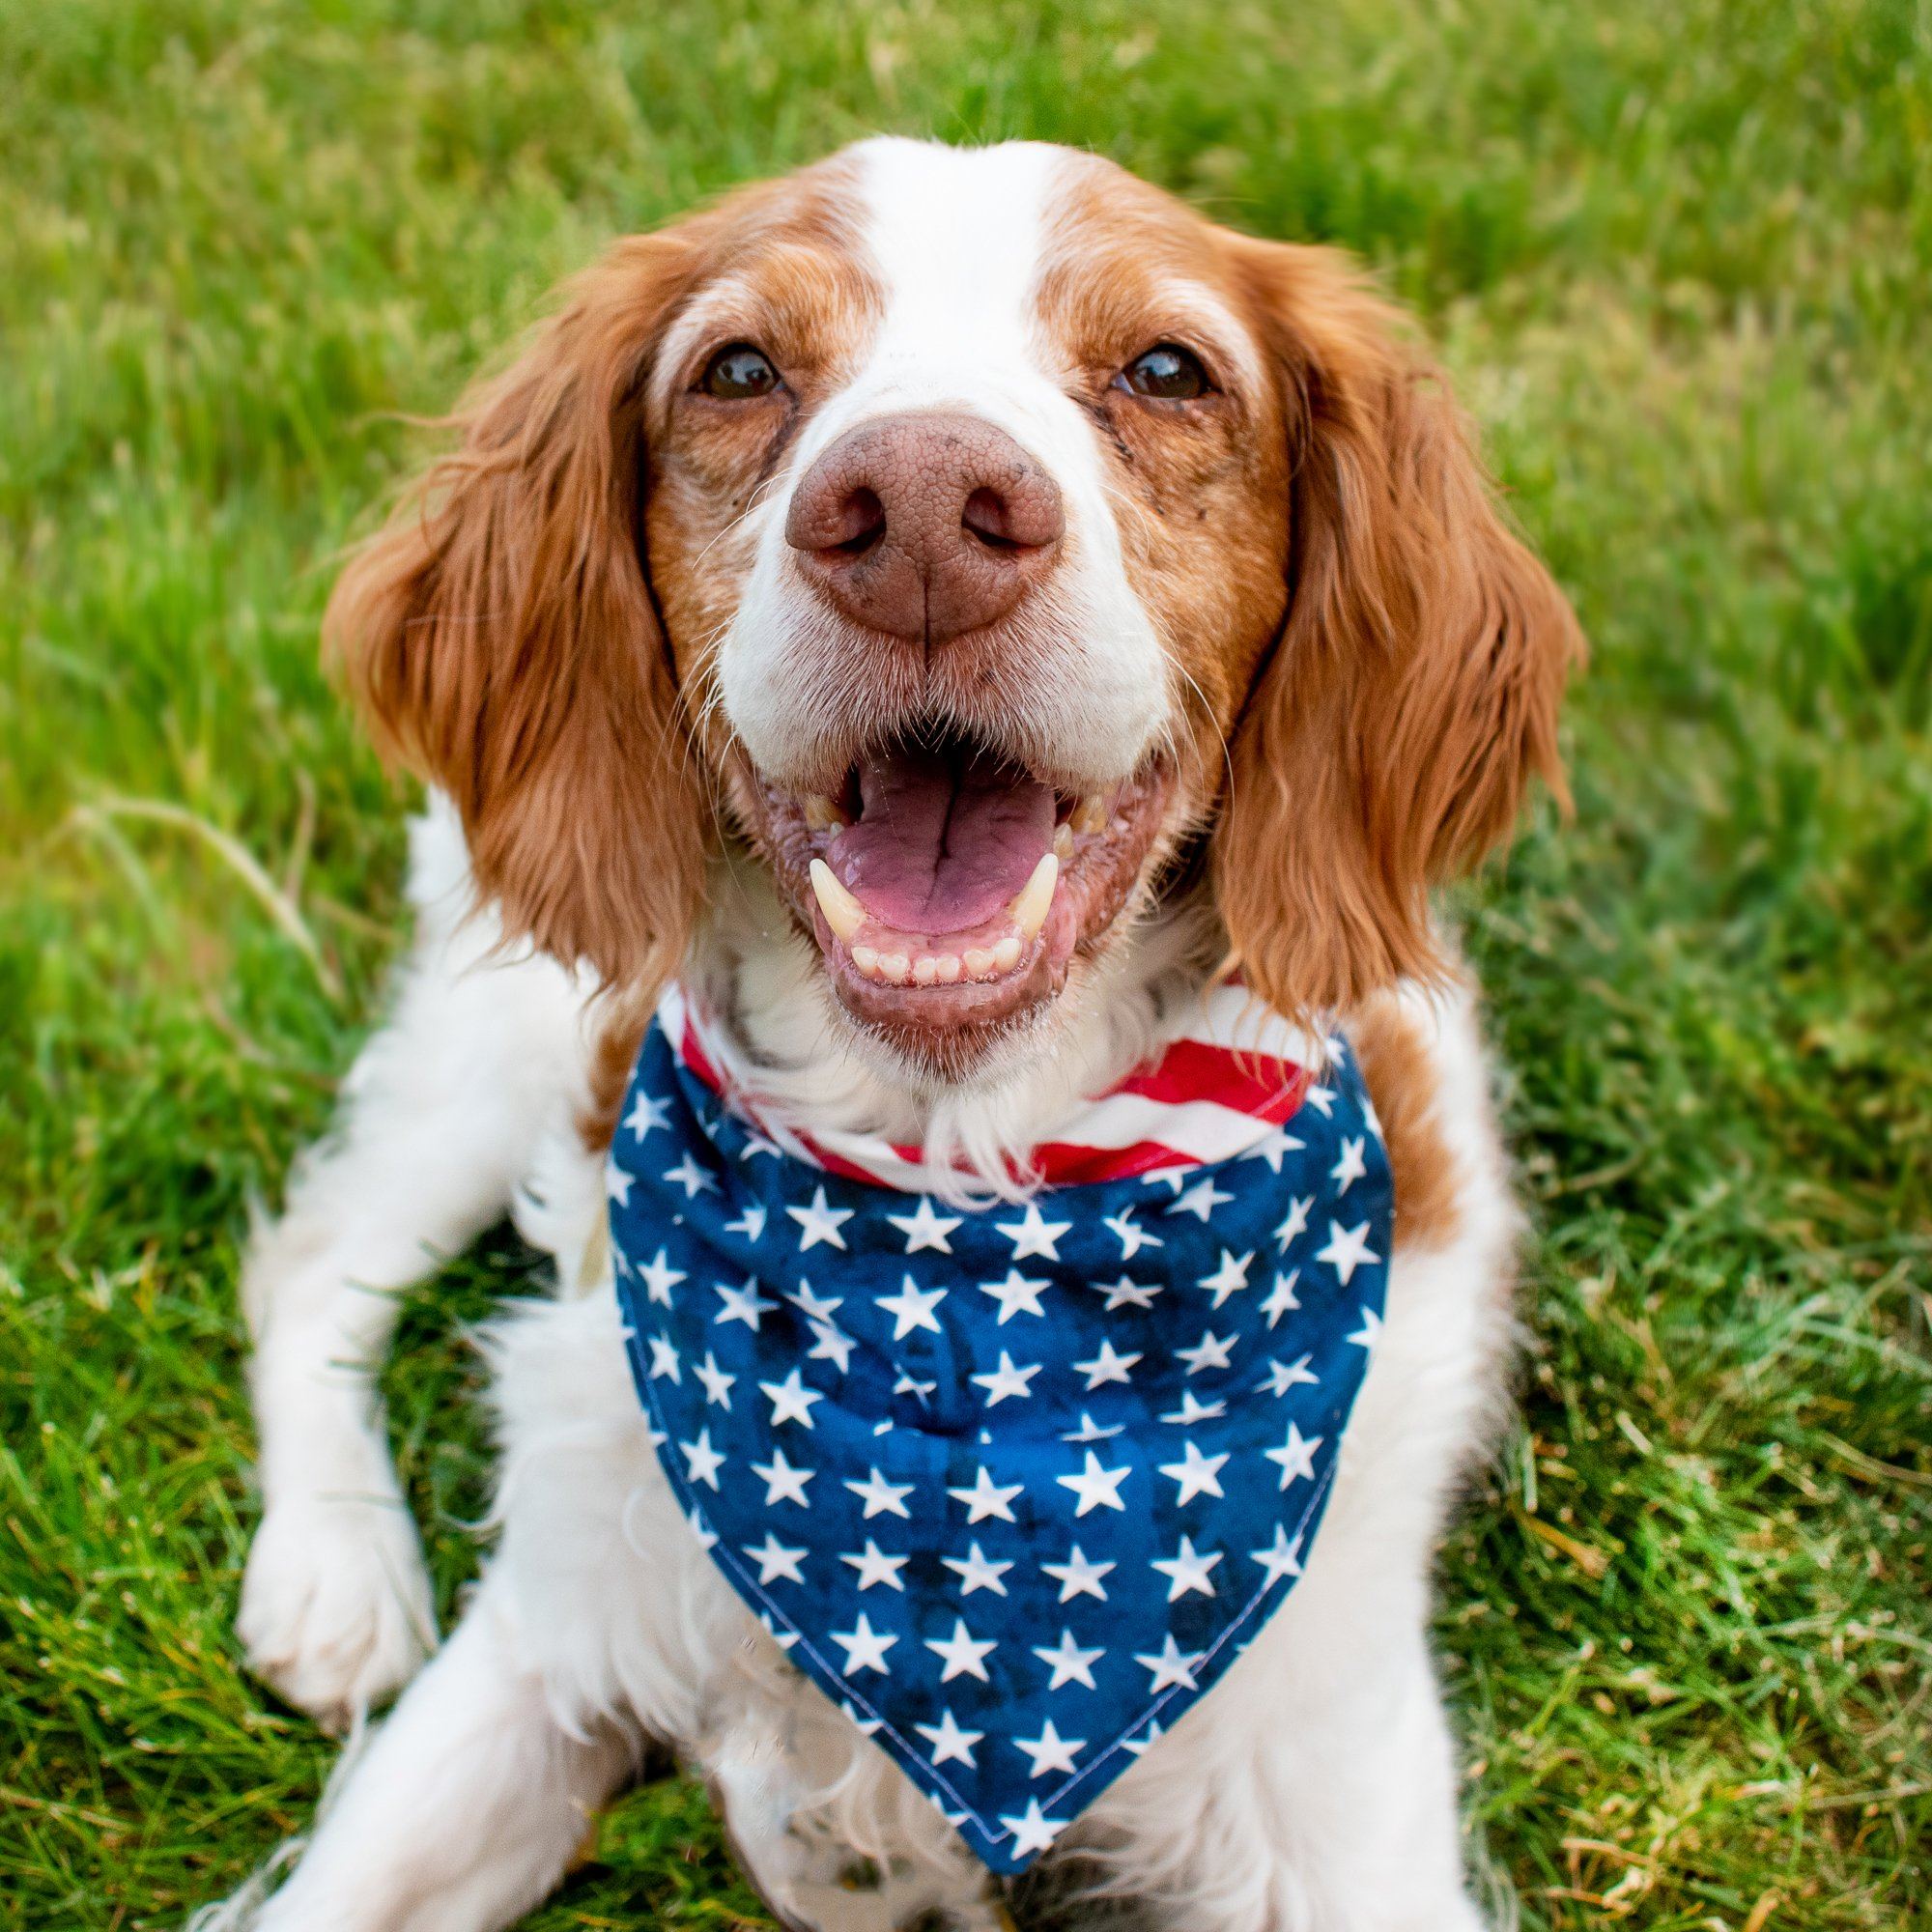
<point>938,845</point>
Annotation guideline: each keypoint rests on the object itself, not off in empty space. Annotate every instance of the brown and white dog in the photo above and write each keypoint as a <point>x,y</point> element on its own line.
<point>965,505</point>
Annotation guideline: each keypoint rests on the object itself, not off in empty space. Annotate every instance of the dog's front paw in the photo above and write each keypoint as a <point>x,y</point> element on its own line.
<point>336,1612</point>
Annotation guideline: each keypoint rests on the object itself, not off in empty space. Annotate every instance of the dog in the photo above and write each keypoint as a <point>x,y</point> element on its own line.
<point>935,512</point>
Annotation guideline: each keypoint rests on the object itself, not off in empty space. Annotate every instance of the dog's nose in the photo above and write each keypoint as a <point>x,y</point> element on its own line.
<point>925,525</point>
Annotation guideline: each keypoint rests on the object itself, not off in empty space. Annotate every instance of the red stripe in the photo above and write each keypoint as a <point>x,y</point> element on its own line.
<point>1062,1163</point>
<point>834,1163</point>
<point>694,1057</point>
<point>1251,1083</point>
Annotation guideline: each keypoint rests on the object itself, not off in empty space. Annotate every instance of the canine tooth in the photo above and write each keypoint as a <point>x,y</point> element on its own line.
<point>821,814</point>
<point>896,967</point>
<point>866,959</point>
<point>1062,842</point>
<point>844,913</point>
<point>1090,813</point>
<point>1006,954</point>
<point>949,968</point>
<point>1028,910</point>
<point>924,970</point>
<point>979,961</point>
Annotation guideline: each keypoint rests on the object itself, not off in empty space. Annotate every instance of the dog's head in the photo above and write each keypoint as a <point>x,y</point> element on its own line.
<point>985,538</point>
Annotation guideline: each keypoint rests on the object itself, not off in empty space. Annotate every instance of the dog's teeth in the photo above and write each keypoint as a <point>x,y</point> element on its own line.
<point>949,968</point>
<point>1006,954</point>
<point>895,967</point>
<point>866,959</point>
<point>821,814</point>
<point>1028,910</point>
<point>924,970</point>
<point>979,961</point>
<point>1062,842</point>
<point>1090,814</point>
<point>844,913</point>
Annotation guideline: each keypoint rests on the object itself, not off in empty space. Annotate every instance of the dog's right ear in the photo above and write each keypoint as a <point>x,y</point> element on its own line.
<point>501,637</point>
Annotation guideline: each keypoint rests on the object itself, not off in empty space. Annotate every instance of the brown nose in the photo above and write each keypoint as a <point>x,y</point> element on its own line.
<point>925,525</point>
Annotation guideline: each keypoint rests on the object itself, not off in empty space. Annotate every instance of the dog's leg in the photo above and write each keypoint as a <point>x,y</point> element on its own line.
<point>466,1806</point>
<point>439,1121</point>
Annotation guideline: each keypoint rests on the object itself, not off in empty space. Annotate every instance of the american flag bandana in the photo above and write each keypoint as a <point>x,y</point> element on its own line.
<point>1013,1485</point>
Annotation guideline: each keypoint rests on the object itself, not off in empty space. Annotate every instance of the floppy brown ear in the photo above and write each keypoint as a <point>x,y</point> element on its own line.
<point>1414,691</point>
<point>501,637</point>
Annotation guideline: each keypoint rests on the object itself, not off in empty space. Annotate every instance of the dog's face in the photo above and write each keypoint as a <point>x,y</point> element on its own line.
<point>992,538</point>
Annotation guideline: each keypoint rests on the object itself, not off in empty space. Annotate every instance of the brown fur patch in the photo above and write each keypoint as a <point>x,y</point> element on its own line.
<point>1393,1054</point>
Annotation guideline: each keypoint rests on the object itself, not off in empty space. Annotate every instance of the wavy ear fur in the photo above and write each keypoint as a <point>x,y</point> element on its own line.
<point>501,637</point>
<point>1415,687</point>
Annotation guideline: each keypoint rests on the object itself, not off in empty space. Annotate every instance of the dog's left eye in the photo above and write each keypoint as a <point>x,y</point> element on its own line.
<point>1167,372</point>
<point>739,372</point>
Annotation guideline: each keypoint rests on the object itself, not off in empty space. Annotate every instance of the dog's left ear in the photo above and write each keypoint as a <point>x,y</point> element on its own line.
<point>1413,690</point>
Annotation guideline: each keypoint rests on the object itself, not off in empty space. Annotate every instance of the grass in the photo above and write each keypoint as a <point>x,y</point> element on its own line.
<point>1677,255</point>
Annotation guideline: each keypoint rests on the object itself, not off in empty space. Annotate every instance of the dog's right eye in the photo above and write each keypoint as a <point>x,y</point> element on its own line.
<point>738,373</point>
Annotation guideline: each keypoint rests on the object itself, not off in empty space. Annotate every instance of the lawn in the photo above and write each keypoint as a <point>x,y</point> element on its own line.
<point>1679,256</point>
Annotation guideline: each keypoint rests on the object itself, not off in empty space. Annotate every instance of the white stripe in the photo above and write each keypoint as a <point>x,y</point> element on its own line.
<point>1205,1129</point>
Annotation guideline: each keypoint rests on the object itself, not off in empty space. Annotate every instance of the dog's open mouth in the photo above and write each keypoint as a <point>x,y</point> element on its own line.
<point>950,887</point>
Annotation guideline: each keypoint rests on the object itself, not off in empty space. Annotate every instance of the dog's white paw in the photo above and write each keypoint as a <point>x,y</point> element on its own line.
<point>336,1612</point>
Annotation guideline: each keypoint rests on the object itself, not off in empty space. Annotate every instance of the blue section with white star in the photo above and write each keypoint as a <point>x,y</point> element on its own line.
<point>1012,1484</point>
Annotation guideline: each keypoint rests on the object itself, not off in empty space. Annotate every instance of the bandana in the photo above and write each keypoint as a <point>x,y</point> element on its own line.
<point>1013,1485</point>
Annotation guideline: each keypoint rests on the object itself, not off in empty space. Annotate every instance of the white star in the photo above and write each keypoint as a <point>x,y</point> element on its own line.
<point>785,1639</point>
<point>1196,1474</point>
<point>1282,1558</point>
<point>1005,1380</point>
<point>1295,1456</point>
<point>646,1115</point>
<point>1201,1200</point>
<point>1272,1149</point>
<point>1230,1278</point>
<point>912,1386</point>
<point>717,1383</point>
<point>659,1280</point>
<point>1373,1119</point>
<point>693,1179</point>
<point>1296,1222</point>
<point>756,1143</point>
<point>1170,1178</point>
<point>948,1741</point>
<point>1133,1238</point>
<point>742,1304</point>
<point>1096,1486</point>
<point>1108,1366</point>
<point>618,1184</point>
<point>1212,1351</point>
<point>1016,1296</point>
<point>866,1648</point>
<point>923,1228</point>
<point>976,1572</point>
<point>774,1559</point>
<point>1173,1665</point>
<point>1032,1832</point>
<point>1370,1332</point>
<point>1070,1664</point>
<point>874,1565</point>
<point>1032,1234</point>
<point>1125,1293</point>
<point>1078,1577</point>
<point>830,1344</point>
<point>1279,1377</point>
<point>820,1222</point>
<point>785,1482</point>
<point>912,1308</point>
<point>1282,1299</point>
<point>707,1537</point>
<point>963,1655</point>
<point>814,1307</point>
<point>1091,1430</point>
<point>1346,1253</point>
<point>1193,1410</point>
<point>1049,1751</point>
<point>703,1462</point>
<point>750,1223</point>
<point>881,1497</point>
<point>1187,1569</point>
<point>1351,1168</point>
<point>790,1399</point>
<point>1146,1738</point>
<point>1322,1100</point>
<point>867,1726</point>
<point>986,1497</point>
<point>664,1361</point>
